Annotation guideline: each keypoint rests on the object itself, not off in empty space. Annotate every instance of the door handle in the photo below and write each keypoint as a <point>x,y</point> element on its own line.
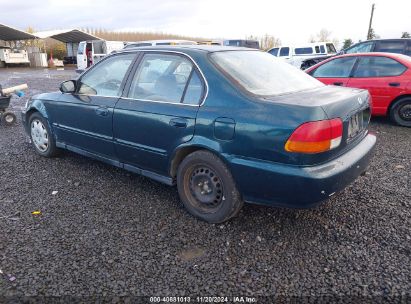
<point>338,83</point>
<point>102,111</point>
<point>178,123</point>
<point>394,84</point>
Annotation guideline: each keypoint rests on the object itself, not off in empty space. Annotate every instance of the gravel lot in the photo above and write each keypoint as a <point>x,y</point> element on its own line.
<point>108,232</point>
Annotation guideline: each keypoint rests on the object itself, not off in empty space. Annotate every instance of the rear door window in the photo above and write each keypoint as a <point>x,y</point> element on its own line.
<point>81,48</point>
<point>194,90</point>
<point>374,66</point>
<point>337,68</point>
<point>162,77</point>
<point>285,51</point>
<point>391,47</point>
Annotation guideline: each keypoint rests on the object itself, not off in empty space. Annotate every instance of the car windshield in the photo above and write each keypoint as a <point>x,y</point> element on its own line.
<point>263,74</point>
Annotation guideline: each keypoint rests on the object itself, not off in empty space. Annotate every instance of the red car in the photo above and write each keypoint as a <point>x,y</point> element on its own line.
<point>386,76</point>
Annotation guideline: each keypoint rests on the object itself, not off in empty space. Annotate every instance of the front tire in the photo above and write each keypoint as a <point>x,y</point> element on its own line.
<point>400,112</point>
<point>207,188</point>
<point>41,136</point>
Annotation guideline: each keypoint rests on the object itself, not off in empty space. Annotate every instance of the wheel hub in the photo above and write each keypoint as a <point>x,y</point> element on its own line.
<point>39,135</point>
<point>405,112</point>
<point>9,119</point>
<point>206,187</point>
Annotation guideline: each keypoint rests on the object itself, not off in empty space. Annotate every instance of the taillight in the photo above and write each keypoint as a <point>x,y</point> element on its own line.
<point>316,136</point>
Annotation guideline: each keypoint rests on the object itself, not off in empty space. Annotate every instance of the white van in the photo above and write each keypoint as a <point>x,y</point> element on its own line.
<point>298,54</point>
<point>159,42</point>
<point>90,52</point>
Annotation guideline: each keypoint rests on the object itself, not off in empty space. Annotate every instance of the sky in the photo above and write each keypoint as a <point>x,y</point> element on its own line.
<point>292,21</point>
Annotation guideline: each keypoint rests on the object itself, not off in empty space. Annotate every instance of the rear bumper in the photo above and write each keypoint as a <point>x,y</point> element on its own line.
<point>300,187</point>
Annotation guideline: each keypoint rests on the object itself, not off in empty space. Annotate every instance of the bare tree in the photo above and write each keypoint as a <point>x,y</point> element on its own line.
<point>324,35</point>
<point>268,42</point>
<point>405,35</point>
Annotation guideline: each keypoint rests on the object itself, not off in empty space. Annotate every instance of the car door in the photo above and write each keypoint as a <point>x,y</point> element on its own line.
<point>84,119</point>
<point>336,71</point>
<point>159,110</point>
<point>381,77</point>
<point>82,56</point>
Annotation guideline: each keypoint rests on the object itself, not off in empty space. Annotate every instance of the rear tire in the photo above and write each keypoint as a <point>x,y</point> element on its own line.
<point>41,136</point>
<point>9,118</point>
<point>400,112</point>
<point>207,188</point>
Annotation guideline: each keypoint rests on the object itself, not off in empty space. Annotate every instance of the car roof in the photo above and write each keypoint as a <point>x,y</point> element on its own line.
<point>388,39</point>
<point>384,54</point>
<point>184,48</point>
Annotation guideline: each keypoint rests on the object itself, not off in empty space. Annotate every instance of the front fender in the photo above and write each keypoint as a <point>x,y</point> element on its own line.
<point>36,105</point>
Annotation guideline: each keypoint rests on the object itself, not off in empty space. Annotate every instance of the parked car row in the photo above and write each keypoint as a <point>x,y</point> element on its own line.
<point>207,118</point>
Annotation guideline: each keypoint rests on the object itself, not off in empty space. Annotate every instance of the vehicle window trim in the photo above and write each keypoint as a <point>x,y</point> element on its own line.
<point>187,84</point>
<point>123,83</point>
<point>349,74</point>
<point>203,80</point>
<point>360,57</point>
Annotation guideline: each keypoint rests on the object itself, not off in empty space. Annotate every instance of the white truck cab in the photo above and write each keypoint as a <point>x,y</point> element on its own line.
<point>13,56</point>
<point>295,55</point>
<point>92,51</point>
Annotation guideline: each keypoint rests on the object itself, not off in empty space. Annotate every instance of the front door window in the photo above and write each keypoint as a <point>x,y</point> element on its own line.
<point>105,78</point>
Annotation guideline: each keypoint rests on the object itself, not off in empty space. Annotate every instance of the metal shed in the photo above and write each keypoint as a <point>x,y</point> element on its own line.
<point>71,37</point>
<point>12,51</point>
<point>67,36</point>
<point>8,33</point>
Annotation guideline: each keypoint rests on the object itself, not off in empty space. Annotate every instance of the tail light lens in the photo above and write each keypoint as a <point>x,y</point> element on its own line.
<point>316,136</point>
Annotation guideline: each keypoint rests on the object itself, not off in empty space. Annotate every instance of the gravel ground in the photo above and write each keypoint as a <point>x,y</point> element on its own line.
<point>108,232</point>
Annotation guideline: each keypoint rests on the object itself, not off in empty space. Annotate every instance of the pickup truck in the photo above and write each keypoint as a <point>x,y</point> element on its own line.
<point>10,56</point>
<point>303,56</point>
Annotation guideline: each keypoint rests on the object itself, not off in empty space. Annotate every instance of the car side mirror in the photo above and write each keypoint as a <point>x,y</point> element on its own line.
<point>68,86</point>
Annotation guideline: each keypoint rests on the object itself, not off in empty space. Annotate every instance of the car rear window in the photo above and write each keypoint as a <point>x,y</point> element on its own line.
<point>263,74</point>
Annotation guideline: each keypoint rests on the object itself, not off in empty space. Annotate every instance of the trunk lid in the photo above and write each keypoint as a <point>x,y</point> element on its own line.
<point>352,106</point>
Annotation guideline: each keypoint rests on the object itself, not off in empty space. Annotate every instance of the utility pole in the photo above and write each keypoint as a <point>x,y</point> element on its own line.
<point>369,27</point>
